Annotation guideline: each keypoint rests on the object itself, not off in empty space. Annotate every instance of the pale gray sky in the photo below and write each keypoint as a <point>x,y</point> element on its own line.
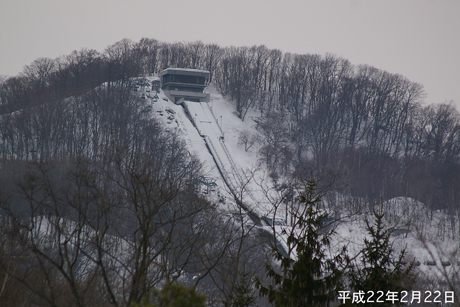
<point>419,39</point>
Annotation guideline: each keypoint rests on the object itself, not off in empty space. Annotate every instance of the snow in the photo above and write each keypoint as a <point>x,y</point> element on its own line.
<point>211,133</point>
<point>217,125</point>
<point>207,126</point>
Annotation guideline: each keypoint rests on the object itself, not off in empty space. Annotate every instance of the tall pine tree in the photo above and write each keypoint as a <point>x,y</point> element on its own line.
<point>307,277</point>
<point>174,295</point>
<point>380,269</point>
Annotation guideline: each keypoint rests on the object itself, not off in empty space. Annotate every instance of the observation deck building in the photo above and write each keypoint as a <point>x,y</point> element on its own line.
<point>189,84</point>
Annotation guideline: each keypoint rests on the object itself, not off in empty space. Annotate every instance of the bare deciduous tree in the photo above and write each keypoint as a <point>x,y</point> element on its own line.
<point>247,139</point>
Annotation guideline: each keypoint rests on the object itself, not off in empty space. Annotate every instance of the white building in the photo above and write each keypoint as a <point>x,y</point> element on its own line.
<point>189,84</point>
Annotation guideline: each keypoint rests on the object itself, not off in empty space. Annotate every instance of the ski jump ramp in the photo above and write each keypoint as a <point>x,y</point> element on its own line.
<point>208,128</point>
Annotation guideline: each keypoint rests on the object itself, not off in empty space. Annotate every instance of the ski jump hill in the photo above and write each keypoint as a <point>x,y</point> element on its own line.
<point>208,128</point>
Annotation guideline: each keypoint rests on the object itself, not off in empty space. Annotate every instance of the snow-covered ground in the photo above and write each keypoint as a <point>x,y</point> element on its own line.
<point>211,132</point>
<point>216,123</point>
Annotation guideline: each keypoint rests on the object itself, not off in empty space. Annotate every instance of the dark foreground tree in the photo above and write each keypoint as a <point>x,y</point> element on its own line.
<point>308,275</point>
<point>81,233</point>
<point>380,269</point>
<point>243,294</point>
<point>175,295</point>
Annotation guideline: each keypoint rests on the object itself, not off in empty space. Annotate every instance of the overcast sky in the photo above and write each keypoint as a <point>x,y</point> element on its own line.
<point>419,39</point>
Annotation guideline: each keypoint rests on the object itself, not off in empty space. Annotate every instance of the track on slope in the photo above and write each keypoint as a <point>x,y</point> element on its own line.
<point>206,124</point>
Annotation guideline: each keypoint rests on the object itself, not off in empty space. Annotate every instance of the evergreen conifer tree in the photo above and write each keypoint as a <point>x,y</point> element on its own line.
<point>175,295</point>
<point>380,271</point>
<point>308,277</point>
<point>243,295</point>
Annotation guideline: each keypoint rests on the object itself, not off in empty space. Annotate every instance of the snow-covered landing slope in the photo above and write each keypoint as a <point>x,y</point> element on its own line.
<point>216,146</point>
<point>207,126</point>
<point>182,125</point>
<point>217,119</point>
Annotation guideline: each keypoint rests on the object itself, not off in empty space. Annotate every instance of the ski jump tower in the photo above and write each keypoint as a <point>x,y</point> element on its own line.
<point>189,84</point>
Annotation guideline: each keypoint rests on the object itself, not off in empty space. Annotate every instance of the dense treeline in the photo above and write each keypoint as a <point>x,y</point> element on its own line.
<point>322,113</point>
<point>80,232</point>
<point>98,205</point>
<point>46,79</point>
<point>319,111</point>
<point>84,125</point>
<point>97,202</point>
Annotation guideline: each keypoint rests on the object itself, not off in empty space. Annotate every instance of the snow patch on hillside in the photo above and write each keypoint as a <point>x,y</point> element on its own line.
<point>427,236</point>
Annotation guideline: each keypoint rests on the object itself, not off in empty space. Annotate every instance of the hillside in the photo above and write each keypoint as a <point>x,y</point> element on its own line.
<point>109,190</point>
<point>426,235</point>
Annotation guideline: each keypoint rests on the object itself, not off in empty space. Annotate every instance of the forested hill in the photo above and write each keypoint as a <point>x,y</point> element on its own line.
<point>101,201</point>
<point>316,112</point>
